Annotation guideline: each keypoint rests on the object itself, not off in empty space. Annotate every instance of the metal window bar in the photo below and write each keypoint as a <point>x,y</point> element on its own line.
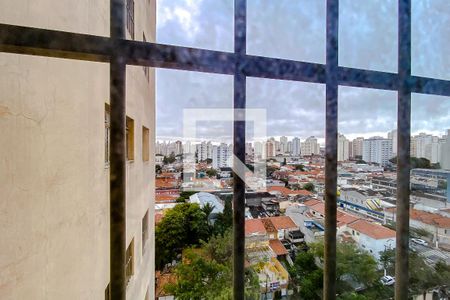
<point>119,52</point>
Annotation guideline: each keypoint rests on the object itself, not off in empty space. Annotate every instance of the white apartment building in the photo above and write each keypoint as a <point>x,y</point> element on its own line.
<point>445,151</point>
<point>259,149</point>
<point>296,146</point>
<point>283,144</point>
<point>377,150</point>
<point>54,167</point>
<point>343,147</point>
<point>310,146</point>
<point>204,151</point>
<point>392,135</point>
<point>222,156</point>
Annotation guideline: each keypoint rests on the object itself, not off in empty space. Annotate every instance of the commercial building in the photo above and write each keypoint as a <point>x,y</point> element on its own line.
<point>54,171</point>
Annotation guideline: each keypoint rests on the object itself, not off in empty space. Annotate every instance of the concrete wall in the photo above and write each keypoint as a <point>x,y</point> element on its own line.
<point>54,183</point>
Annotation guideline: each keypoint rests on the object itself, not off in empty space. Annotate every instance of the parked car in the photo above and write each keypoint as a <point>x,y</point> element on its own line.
<point>419,241</point>
<point>387,280</point>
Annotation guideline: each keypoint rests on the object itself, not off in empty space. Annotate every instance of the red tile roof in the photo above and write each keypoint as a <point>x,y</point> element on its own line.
<point>277,247</point>
<point>427,217</point>
<point>372,230</point>
<point>287,192</point>
<point>254,226</point>
<point>311,202</point>
<point>282,222</point>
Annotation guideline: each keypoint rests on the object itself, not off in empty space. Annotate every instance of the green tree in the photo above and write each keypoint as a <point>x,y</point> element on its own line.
<point>421,276</point>
<point>300,168</point>
<point>211,172</point>
<point>224,220</point>
<point>351,262</point>
<point>169,159</point>
<point>183,226</point>
<point>309,187</point>
<point>206,272</point>
<point>306,276</point>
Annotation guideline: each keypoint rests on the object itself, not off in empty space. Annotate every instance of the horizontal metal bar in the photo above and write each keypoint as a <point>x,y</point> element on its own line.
<point>430,86</point>
<point>367,78</point>
<point>60,44</point>
<point>274,68</point>
<point>176,57</point>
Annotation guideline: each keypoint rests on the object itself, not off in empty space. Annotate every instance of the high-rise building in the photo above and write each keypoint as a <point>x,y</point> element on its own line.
<point>289,147</point>
<point>357,145</point>
<point>377,150</point>
<point>283,144</point>
<point>296,146</point>
<point>270,148</point>
<point>55,215</point>
<point>222,156</point>
<point>444,159</point>
<point>259,149</point>
<point>204,151</point>
<point>342,148</point>
<point>392,135</point>
<point>178,148</point>
<point>310,146</point>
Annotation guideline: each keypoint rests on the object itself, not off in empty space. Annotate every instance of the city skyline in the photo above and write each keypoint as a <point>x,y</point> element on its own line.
<point>368,39</point>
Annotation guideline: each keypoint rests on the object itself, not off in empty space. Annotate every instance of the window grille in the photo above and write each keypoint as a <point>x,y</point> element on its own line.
<point>119,52</point>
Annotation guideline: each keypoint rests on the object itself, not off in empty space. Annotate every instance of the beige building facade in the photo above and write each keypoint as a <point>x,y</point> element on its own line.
<point>54,172</point>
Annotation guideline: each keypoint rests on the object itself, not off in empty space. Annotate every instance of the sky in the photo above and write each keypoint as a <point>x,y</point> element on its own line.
<point>295,29</point>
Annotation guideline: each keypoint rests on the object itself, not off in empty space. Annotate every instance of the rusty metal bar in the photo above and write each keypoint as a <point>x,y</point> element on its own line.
<point>239,151</point>
<point>329,272</point>
<point>403,150</point>
<point>118,157</point>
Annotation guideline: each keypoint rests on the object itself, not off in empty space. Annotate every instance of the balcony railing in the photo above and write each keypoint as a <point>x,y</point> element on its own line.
<point>119,52</point>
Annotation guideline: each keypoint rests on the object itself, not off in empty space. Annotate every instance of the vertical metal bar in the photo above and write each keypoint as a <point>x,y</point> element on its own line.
<point>403,149</point>
<point>329,280</point>
<point>239,151</point>
<point>118,157</point>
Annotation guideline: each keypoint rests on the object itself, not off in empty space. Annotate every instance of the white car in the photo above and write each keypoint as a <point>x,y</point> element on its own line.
<point>387,280</point>
<point>419,241</point>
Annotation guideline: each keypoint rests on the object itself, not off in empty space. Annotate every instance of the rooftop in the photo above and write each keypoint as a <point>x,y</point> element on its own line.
<point>277,247</point>
<point>254,226</point>
<point>372,230</point>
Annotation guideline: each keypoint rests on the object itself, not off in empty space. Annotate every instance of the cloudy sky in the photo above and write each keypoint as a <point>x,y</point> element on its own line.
<point>295,29</point>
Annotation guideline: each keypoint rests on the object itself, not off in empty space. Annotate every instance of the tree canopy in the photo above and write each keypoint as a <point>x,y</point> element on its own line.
<point>183,226</point>
<point>419,162</point>
<point>206,272</point>
<point>309,187</point>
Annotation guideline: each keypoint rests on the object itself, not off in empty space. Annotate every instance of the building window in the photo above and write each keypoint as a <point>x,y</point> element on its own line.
<point>130,18</point>
<point>129,259</point>
<point>144,231</point>
<point>130,138</point>
<point>145,68</point>
<point>145,144</point>
<point>107,132</point>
